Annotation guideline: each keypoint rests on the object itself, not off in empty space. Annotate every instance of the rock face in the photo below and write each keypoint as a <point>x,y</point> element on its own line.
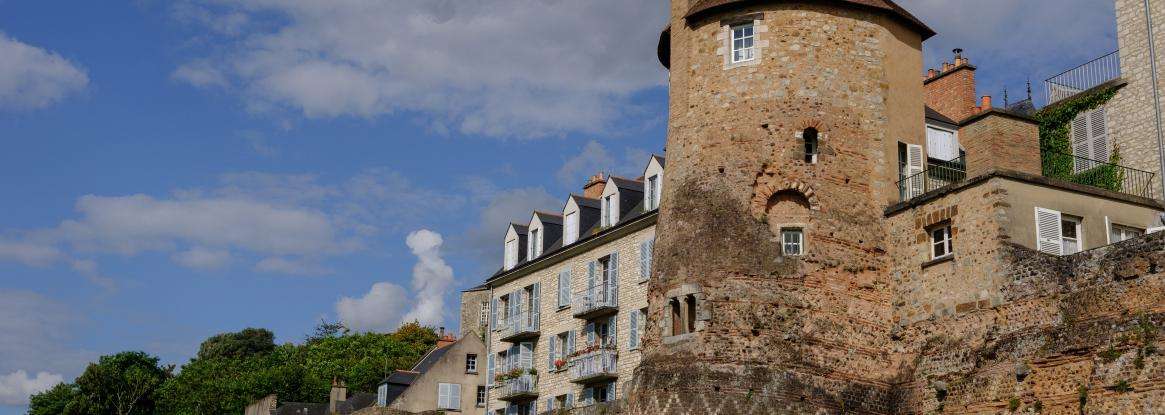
<point>736,326</point>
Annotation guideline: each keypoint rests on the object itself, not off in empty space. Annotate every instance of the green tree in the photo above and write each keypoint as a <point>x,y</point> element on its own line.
<point>122,384</point>
<point>228,385</point>
<point>63,399</point>
<point>245,343</point>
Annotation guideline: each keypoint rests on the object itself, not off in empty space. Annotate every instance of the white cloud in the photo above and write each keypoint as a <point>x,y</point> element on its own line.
<point>16,387</point>
<point>386,305</point>
<point>498,67</point>
<point>203,258</point>
<point>201,74</point>
<point>36,333</point>
<point>291,266</point>
<point>483,239</point>
<point>595,157</point>
<point>28,252</point>
<point>34,78</point>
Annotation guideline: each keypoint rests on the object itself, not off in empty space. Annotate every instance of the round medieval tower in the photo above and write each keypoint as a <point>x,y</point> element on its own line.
<point>770,291</point>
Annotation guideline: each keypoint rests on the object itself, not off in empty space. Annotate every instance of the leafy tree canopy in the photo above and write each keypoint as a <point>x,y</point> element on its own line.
<point>245,343</point>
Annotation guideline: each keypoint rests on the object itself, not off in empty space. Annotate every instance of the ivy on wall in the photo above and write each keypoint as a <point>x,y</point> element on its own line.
<point>1056,143</point>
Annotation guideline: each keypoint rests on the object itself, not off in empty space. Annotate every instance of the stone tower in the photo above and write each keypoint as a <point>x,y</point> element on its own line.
<point>787,147</point>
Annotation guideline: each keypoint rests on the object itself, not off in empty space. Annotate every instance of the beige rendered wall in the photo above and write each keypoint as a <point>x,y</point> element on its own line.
<point>632,296</point>
<point>422,394</point>
<point>1023,198</point>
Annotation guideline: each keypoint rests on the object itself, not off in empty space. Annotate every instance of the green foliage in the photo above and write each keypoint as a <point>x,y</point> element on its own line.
<point>62,399</point>
<point>245,343</point>
<point>1038,406</point>
<point>1110,355</point>
<point>326,330</point>
<point>1122,386</point>
<point>121,384</point>
<point>227,385</point>
<point>1056,145</point>
<point>1082,394</point>
<point>1013,404</point>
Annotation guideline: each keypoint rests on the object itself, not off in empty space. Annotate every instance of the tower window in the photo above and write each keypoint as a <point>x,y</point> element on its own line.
<point>810,136</point>
<point>793,241</point>
<point>743,42</point>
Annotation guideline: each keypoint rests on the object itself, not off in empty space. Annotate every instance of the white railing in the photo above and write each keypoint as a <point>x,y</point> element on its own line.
<point>1083,77</point>
<point>524,385</point>
<point>595,298</point>
<point>602,362</point>
<point>518,324</point>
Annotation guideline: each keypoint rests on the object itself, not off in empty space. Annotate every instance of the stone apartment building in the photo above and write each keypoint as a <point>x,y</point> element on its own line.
<point>835,235</point>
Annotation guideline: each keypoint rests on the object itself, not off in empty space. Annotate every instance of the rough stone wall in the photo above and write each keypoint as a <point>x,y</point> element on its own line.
<point>1132,121</point>
<point>555,320</point>
<point>1077,334</point>
<point>471,302</point>
<point>952,93</point>
<point>1001,142</point>
<point>783,333</point>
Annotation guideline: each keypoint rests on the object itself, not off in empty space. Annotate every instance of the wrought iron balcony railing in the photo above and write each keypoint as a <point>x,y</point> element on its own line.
<point>1083,77</point>
<point>518,326</point>
<point>519,388</point>
<point>1088,172</point>
<point>595,300</point>
<point>595,366</point>
<point>937,175</point>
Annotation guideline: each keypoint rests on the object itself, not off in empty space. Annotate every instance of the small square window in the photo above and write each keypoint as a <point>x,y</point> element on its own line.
<point>793,241</point>
<point>1070,232</point>
<point>471,363</point>
<point>481,396</point>
<point>1123,233</point>
<point>941,242</point>
<point>743,42</point>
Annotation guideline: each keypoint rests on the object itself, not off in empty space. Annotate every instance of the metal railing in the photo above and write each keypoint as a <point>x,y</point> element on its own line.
<point>1094,173</point>
<point>1083,77</point>
<point>594,299</point>
<point>517,324</point>
<point>937,175</point>
<point>600,363</point>
<point>521,386</point>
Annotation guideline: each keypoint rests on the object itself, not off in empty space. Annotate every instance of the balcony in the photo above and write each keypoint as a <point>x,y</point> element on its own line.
<point>518,327</point>
<point>595,301</point>
<point>937,175</point>
<point>594,366</point>
<point>523,387</point>
<point>1083,77</point>
<point>1107,176</point>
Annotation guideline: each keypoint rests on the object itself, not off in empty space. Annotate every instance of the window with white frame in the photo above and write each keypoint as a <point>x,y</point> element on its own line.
<point>608,210</point>
<point>484,316</point>
<point>470,363</point>
<point>511,253</point>
<point>793,241</point>
<point>743,43</point>
<point>1119,233</point>
<point>1070,228</point>
<point>941,243</point>
<point>1057,233</point>
<point>535,244</point>
<point>481,396</point>
<point>652,193</point>
<point>449,396</point>
<point>571,234</point>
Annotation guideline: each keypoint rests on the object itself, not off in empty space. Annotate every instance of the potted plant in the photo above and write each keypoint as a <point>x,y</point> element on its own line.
<point>559,364</point>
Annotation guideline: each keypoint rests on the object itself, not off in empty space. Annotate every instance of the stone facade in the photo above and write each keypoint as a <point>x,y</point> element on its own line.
<point>1132,120</point>
<point>474,312</point>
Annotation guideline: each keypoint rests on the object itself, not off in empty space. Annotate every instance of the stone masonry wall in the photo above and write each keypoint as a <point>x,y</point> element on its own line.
<point>471,303</point>
<point>1131,118</point>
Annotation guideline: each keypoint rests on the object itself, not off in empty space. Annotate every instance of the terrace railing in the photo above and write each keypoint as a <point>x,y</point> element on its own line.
<point>937,175</point>
<point>1094,173</point>
<point>595,299</point>
<point>518,325</point>
<point>520,387</point>
<point>599,364</point>
<point>1083,77</point>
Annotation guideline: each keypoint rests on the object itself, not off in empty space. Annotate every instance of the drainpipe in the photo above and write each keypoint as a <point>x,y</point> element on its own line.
<point>1156,94</point>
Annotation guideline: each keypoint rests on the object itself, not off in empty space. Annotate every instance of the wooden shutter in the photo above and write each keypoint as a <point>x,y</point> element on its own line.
<point>1049,236</point>
<point>489,375</point>
<point>564,288</point>
<point>493,314</point>
<point>550,350</point>
<point>527,355</point>
<point>536,313</point>
<point>455,396</point>
<point>570,339</point>
<point>443,395</point>
<point>569,400</point>
<point>590,275</point>
<point>590,330</point>
<point>644,260</point>
<point>633,335</point>
<point>613,331</point>
<point>915,164</point>
<point>514,357</point>
<point>1098,135</point>
<point>613,279</point>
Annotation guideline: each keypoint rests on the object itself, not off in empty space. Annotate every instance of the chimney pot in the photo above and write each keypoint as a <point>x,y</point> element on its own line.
<point>931,73</point>
<point>986,105</point>
<point>947,66</point>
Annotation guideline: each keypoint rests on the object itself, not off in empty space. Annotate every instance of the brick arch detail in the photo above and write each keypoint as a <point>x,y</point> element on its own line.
<point>764,192</point>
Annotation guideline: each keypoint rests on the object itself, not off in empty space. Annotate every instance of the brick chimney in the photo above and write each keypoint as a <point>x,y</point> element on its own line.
<point>951,90</point>
<point>445,339</point>
<point>339,394</point>
<point>595,186</point>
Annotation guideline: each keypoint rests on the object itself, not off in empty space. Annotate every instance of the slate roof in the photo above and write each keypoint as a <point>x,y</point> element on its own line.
<point>662,160</point>
<point>932,115</point>
<point>627,184</point>
<point>887,6</point>
<point>548,217</point>
<point>584,201</point>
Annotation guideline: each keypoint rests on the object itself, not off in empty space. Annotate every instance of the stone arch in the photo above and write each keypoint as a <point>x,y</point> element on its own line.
<point>764,197</point>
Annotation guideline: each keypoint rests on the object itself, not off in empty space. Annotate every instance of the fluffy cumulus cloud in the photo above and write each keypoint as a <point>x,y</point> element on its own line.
<point>387,305</point>
<point>1011,41</point>
<point>16,387</point>
<point>34,78</point>
<point>492,67</point>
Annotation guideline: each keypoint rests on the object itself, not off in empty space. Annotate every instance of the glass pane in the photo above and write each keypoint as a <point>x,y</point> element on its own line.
<point>1069,228</point>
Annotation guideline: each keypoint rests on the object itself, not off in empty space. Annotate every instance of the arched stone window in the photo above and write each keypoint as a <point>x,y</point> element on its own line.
<point>811,151</point>
<point>789,215</point>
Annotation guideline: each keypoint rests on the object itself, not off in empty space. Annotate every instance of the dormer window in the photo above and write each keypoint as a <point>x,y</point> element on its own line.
<point>535,243</point>
<point>743,39</point>
<point>571,223</point>
<point>511,259</point>
<point>652,193</point>
<point>609,217</point>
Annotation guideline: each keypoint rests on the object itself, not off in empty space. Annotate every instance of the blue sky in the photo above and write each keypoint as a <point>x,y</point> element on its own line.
<point>176,169</point>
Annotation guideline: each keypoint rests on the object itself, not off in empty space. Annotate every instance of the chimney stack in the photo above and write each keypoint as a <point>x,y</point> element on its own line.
<point>986,103</point>
<point>445,339</point>
<point>339,394</point>
<point>595,186</point>
<point>951,90</point>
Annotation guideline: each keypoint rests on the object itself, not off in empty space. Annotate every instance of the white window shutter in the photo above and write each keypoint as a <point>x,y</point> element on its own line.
<point>564,288</point>
<point>644,252</point>
<point>536,313</point>
<point>633,335</point>
<point>455,396</point>
<point>915,164</point>
<point>1098,134</point>
<point>1049,236</point>
<point>443,395</point>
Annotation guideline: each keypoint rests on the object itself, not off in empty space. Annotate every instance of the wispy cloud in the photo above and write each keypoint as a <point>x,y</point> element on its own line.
<point>594,157</point>
<point>34,78</point>
<point>498,68</point>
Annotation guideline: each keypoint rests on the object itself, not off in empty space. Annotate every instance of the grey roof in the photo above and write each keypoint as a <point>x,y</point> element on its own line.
<point>401,377</point>
<point>548,217</point>
<point>627,184</point>
<point>662,160</point>
<point>480,287</point>
<point>430,359</point>
<point>520,228</point>
<point>583,201</point>
<point>933,115</point>
<point>354,403</point>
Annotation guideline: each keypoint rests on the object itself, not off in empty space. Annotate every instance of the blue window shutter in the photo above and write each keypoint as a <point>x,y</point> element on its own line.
<point>536,313</point>
<point>550,353</point>
<point>613,331</point>
<point>590,329</point>
<point>570,339</point>
<point>588,396</point>
<point>591,275</point>
<point>564,288</point>
<point>493,314</point>
<point>633,335</point>
<point>527,353</point>
<point>489,375</point>
<point>570,400</point>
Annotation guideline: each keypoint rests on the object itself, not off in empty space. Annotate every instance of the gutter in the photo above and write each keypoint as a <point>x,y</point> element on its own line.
<point>1156,93</point>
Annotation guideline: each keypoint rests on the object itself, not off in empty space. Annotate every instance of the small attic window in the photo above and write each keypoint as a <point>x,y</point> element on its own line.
<point>609,216</point>
<point>570,234</point>
<point>511,255</point>
<point>535,243</point>
<point>811,151</point>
